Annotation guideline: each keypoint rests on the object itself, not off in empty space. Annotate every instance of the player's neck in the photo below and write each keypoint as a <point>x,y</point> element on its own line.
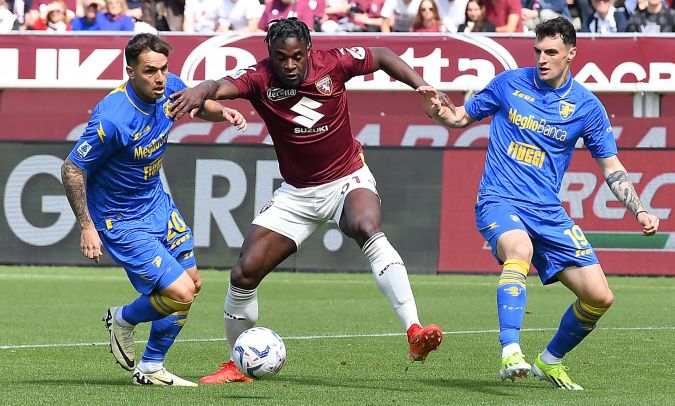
<point>560,80</point>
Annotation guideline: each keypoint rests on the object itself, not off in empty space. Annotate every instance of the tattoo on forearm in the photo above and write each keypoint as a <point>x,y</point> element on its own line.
<point>73,183</point>
<point>623,189</point>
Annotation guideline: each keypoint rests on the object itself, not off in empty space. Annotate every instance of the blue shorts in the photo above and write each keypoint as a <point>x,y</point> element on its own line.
<point>154,251</point>
<point>558,243</point>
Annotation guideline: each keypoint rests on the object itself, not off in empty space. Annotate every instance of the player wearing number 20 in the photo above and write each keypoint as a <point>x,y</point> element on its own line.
<point>300,94</point>
<point>539,114</point>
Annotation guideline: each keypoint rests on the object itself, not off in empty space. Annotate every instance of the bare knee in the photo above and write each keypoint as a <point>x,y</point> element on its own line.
<point>243,275</point>
<point>602,300</point>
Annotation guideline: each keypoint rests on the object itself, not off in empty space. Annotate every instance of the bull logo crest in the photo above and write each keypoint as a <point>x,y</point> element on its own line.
<point>325,86</point>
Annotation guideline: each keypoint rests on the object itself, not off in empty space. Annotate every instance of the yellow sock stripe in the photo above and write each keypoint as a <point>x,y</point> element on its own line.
<point>514,271</point>
<point>586,312</point>
<point>168,306</point>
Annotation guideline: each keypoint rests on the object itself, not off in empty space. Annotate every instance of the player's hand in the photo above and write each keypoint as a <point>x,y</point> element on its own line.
<point>432,101</point>
<point>445,101</point>
<point>649,222</point>
<point>236,118</point>
<point>90,244</point>
<point>186,101</point>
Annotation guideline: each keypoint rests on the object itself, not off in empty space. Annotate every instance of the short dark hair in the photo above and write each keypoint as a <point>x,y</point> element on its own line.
<point>144,42</point>
<point>285,28</point>
<point>557,27</point>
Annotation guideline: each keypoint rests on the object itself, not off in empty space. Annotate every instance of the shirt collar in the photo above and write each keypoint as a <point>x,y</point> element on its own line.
<point>140,105</point>
<point>561,91</point>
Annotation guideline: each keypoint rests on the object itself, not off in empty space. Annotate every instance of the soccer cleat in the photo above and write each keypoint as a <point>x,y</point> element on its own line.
<point>159,378</point>
<point>227,373</point>
<point>121,340</point>
<point>514,366</point>
<point>423,340</point>
<point>556,374</point>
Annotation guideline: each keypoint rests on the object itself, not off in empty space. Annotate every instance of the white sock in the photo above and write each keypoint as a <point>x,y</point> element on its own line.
<point>392,278</point>
<point>510,349</point>
<point>150,367</point>
<point>120,320</point>
<point>549,358</point>
<point>241,312</point>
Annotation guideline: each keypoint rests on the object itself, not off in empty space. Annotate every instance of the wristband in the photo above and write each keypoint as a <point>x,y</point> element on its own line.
<point>201,106</point>
<point>640,211</point>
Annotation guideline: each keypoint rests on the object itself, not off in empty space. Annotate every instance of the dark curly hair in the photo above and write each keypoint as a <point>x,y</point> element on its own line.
<point>287,28</point>
<point>557,27</point>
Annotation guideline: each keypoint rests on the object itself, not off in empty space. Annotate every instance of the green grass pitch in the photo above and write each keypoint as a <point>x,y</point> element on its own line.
<point>345,345</point>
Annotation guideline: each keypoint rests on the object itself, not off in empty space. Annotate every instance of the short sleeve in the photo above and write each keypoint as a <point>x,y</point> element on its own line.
<point>598,135</point>
<point>355,61</point>
<point>97,143</point>
<point>486,102</point>
<point>244,80</point>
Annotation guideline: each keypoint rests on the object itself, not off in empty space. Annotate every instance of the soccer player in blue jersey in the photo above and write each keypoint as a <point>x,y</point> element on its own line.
<point>124,207</point>
<point>539,113</point>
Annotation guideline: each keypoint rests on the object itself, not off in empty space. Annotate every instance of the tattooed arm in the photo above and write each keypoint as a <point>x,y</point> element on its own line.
<point>620,184</point>
<point>74,185</point>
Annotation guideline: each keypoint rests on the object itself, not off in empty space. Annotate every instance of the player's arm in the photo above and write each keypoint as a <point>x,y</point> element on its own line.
<point>188,101</point>
<point>214,111</point>
<point>73,179</point>
<point>619,183</point>
<point>453,117</point>
<point>388,61</point>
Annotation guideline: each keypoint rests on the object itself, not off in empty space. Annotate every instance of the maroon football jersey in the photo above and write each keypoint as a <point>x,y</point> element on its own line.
<point>309,125</point>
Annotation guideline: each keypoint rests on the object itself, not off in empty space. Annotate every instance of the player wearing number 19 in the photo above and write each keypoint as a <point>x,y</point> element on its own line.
<point>300,94</point>
<point>539,114</point>
<point>124,207</point>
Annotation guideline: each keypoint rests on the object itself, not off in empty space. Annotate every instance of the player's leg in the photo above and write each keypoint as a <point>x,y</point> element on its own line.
<point>501,225</point>
<point>360,220</point>
<point>594,298</point>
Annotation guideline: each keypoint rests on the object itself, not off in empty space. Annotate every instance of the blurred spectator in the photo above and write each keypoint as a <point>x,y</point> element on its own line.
<point>606,19</point>
<point>309,12</point>
<point>37,6</point>
<point>654,19</point>
<point>475,18</point>
<point>504,14</point>
<point>536,11</point>
<point>204,16</point>
<point>20,9</point>
<point>399,15</point>
<point>362,16</point>
<point>53,17</point>
<point>88,23</point>
<point>7,18</point>
<point>115,17</point>
<point>337,12</point>
<point>580,12</point>
<point>170,15</point>
<point>427,19</point>
<point>452,13</point>
<point>243,15</point>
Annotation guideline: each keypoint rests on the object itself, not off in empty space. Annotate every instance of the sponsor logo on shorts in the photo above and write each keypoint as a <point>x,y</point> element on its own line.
<point>157,261</point>
<point>267,205</point>
<point>276,94</point>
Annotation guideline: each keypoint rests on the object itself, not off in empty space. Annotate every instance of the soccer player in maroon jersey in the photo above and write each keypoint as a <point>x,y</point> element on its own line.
<point>300,94</point>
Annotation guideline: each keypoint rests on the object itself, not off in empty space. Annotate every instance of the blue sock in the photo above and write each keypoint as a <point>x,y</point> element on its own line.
<point>141,310</point>
<point>511,298</point>
<point>577,322</point>
<point>162,335</point>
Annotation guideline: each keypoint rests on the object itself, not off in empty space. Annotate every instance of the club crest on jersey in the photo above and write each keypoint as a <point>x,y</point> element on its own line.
<point>325,86</point>
<point>276,94</point>
<point>566,109</point>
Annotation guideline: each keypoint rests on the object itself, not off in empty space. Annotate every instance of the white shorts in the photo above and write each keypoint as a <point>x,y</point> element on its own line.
<point>297,213</point>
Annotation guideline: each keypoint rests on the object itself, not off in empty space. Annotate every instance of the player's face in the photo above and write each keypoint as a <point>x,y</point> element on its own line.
<point>289,60</point>
<point>148,77</point>
<point>553,60</point>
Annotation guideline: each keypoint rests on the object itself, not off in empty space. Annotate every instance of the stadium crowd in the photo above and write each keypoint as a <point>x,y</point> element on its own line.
<point>333,16</point>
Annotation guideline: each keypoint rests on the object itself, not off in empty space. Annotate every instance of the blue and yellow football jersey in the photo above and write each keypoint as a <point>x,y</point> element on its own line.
<point>121,150</point>
<point>533,134</point>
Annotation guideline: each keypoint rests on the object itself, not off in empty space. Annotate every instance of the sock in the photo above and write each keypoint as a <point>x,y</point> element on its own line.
<point>391,277</point>
<point>511,298</point>
<point>140,310</point>
<point>163,333</point>
<point>549,358</point>
<point>150,367</point>
<point>577,322</point>
<point>241,312</point>
<point>511,349</point>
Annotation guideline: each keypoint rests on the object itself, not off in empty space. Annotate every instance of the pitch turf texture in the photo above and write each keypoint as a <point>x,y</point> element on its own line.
<point>345,345</point>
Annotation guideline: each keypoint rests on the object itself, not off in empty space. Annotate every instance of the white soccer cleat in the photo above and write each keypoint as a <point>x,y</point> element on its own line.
<point>159,378</point>
<point>121,340</point>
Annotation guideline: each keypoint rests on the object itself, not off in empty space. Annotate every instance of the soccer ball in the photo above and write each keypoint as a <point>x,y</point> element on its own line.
<point>259,352</point>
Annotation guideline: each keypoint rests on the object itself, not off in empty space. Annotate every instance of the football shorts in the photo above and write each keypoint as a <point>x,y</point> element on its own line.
<point>297,212</point>
<point>557,241</point>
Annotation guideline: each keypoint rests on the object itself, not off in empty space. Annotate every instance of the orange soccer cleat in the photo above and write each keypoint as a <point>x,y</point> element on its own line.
<point>423,340</point>
<point>227,373</point>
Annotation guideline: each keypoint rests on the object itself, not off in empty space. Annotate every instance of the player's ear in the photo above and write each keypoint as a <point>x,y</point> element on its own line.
<point>130,72</point>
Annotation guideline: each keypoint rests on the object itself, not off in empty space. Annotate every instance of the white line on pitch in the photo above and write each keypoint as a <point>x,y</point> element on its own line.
<point>323,337</point>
